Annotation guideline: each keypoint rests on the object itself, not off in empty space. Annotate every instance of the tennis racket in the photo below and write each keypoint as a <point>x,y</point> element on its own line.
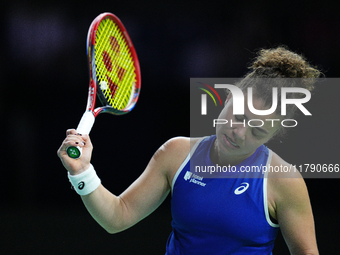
<point>114,73</point>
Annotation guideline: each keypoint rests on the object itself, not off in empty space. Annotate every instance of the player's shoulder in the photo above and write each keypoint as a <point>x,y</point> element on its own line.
<point>282,169</point>
<point>286,189</point>
<point>179,145</point>
<point>284,178</point>
<point>183,141</point>
<point>176,148</point>
<point>172,154</point>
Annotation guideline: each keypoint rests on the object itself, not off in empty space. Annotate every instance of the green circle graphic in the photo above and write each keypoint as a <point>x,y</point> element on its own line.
<point>73,152</point>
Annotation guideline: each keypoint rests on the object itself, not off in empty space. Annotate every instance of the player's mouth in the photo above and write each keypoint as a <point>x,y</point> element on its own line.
<point>230,142</point>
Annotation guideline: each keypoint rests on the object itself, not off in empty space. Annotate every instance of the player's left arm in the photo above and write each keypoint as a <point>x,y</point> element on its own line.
<point>294,214</point>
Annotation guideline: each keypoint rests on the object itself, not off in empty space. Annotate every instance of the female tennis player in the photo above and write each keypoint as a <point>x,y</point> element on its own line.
<point>238,214</point>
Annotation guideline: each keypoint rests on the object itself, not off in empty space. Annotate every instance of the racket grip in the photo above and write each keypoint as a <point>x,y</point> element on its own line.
<point>86,123</point>
<point>84,127</point>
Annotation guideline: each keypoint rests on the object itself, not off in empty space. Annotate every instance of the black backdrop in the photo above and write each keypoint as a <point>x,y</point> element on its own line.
<point>43,92</point>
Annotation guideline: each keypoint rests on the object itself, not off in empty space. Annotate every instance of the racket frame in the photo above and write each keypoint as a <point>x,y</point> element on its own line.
<point>88,118</point>
<point>93,86</point>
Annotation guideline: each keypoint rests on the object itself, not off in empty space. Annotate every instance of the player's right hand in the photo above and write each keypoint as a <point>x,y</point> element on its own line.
<point>76,166</point>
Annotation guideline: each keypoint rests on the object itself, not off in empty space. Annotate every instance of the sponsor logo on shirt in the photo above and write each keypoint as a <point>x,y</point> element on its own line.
<point>244,186</point>
<point>194,178</point>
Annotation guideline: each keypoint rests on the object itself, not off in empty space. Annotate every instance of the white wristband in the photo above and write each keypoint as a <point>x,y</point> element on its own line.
<point>85,182</point>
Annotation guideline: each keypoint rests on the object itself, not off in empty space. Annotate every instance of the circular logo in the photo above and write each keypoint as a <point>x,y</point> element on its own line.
<point>242,188</point>
<point>73,152</point>
<point>81,185</point>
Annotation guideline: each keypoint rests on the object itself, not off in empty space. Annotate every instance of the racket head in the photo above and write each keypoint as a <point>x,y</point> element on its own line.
<point>113,66</point>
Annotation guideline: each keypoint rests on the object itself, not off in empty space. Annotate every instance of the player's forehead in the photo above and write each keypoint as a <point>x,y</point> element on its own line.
<point>268,124</point>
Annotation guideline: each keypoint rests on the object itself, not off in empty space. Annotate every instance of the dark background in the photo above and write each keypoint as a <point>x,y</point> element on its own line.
<point>44,83</point>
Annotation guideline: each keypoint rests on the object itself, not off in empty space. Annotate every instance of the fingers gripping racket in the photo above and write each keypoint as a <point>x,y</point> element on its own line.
<point>114,73</point>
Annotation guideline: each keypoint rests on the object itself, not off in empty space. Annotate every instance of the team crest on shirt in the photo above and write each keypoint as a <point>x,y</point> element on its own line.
<point>194,178</point>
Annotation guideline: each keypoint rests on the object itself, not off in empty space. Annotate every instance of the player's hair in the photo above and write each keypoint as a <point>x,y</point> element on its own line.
<point>281,64</point>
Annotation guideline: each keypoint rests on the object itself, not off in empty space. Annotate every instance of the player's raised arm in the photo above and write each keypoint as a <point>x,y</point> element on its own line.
<point>117,213</point>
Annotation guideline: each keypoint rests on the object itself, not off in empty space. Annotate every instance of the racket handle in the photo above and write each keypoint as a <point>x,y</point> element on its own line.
<point>84,127</point>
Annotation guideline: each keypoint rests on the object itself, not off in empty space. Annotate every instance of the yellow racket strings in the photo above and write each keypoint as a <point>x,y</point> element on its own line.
<point>114,65</point>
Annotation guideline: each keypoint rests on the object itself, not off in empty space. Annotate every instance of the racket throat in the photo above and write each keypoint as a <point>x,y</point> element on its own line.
<point>91,99</point>
<point>86,123</point>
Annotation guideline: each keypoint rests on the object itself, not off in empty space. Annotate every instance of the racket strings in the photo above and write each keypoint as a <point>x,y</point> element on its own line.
<point>114,65</point>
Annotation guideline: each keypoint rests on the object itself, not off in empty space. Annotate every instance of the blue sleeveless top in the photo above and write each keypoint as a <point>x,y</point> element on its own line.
<point>227,214</point>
